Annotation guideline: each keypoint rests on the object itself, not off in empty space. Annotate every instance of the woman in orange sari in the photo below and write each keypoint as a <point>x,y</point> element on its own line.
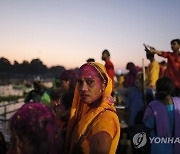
<point>93,125</point>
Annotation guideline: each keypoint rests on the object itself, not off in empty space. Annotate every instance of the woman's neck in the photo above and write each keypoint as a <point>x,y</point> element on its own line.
<point>96,103</point>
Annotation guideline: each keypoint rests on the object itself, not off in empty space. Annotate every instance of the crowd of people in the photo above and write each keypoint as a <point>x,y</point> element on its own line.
<point>78,113</point>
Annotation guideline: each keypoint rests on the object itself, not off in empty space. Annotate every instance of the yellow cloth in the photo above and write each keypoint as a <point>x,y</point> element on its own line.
<point>81,116</point>
<point>152,73</point>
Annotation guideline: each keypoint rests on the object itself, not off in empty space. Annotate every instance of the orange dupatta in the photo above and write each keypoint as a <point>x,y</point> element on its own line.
<point>79,119</point>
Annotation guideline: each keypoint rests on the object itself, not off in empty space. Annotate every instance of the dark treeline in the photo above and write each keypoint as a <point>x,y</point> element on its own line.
<point>27,70</point>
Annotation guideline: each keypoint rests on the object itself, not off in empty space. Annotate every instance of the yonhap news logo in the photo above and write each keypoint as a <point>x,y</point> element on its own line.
<point>140,140</point>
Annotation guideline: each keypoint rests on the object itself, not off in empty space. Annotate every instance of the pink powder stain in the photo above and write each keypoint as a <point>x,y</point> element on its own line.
<point>93,91</point>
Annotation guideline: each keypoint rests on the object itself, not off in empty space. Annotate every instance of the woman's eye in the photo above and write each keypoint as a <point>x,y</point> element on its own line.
<point>80,82</point>
<point>89,82</point>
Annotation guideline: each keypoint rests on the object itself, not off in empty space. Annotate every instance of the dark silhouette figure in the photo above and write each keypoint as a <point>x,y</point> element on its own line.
<point>90,60</point>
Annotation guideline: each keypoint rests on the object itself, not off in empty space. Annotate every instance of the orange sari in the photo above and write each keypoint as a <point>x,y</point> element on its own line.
<point>101,118</point>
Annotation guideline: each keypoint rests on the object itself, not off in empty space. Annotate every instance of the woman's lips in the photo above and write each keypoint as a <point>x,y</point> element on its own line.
<point>84,95</point>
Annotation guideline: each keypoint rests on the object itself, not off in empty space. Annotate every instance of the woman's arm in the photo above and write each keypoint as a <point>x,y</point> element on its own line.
<point>100,143</point>
<point>153,50</point>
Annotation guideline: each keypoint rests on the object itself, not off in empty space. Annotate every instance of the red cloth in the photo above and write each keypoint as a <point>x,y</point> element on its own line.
<point>161,71</point>
<point>173,67</point>
<point>110,70</point>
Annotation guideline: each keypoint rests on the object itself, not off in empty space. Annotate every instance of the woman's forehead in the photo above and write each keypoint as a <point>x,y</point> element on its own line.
<point>87,71</point>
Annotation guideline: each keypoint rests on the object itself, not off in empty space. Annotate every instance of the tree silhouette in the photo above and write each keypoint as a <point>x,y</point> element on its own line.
<point>5,65</point>
<point>28,69</point>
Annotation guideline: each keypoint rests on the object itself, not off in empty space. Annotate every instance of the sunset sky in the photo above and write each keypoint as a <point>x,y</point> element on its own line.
<point>68,32</point>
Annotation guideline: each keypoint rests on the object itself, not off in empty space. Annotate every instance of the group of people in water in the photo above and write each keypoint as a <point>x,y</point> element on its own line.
<point>79,116</point>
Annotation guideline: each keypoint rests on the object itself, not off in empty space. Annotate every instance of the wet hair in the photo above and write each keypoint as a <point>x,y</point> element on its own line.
<point>164,87</point>
<point>175,40</point>
<point>35,123</point>
<point>106,52</point>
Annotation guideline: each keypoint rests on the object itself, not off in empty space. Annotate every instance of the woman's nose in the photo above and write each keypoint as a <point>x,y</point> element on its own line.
<point>84,86</point>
